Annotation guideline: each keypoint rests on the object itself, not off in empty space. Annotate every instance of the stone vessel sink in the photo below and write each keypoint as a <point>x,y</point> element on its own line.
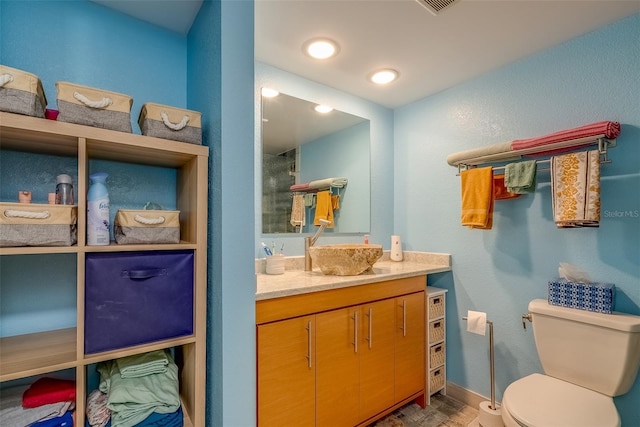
<point>345,259</point>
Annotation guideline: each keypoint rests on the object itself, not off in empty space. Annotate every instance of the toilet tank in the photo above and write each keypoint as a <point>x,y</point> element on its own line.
<point>593,350</point>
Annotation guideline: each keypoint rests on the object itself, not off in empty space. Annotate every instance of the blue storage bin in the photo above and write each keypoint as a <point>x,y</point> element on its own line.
<point>135,298</point>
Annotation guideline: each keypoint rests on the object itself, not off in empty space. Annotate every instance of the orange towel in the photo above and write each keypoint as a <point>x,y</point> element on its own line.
<point>477,197</point>
<point>335,202</point>
<point>500,191</point>
<point>323,208</point>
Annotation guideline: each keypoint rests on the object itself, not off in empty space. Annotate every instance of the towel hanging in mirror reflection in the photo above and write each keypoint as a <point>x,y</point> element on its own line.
<point>309,200</point>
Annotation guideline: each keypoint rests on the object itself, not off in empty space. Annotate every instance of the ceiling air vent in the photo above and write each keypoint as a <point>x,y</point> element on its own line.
<point>436,6</point>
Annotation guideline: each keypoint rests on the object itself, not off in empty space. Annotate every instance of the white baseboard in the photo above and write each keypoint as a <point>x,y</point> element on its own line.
<point>468,397</point>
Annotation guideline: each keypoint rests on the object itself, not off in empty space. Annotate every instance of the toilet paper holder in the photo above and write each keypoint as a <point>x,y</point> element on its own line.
<point>491,365</point>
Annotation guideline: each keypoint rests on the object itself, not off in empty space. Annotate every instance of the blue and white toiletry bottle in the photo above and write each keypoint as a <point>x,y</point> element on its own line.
<point>98,211</point>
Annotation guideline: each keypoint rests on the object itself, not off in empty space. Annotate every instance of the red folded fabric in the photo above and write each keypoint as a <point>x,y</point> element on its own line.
<point>49,390</point>
<point>500,192</point>
<point>610,130</point>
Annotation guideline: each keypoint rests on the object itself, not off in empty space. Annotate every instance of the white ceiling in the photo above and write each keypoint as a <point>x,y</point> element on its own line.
<point>174,15</point>
<point>432,53</point>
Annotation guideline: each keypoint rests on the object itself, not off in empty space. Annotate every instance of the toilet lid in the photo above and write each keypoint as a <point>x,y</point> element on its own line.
<point>542,401</point>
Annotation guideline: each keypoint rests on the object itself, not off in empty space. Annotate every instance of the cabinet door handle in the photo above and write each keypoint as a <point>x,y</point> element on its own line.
<point>355,331</point>
<point>404,318</point>
<point>308,356</point>
<point>370,327</point>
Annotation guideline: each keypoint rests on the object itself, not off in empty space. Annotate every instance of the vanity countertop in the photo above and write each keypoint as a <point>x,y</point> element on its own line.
<point>296,281</point>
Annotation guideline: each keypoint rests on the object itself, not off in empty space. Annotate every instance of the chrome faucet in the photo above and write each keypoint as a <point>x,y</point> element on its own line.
<point>310,241</point>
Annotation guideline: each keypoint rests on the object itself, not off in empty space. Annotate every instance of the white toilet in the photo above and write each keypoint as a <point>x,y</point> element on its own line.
<point>587,358</point>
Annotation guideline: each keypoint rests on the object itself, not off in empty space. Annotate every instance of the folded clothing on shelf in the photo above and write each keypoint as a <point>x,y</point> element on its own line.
<point>139,365</point>
<point>13,414</point>
<point>49,390</point>
<point>132,400</point>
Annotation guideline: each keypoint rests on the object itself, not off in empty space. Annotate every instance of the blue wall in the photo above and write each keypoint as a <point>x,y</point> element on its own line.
<point>84,43</point>
<point>342,154</point>
<point>92,46</point>
<point>221,66</point>
<point>588,79</point>
<point>381,130</point>
<point>88,44</point>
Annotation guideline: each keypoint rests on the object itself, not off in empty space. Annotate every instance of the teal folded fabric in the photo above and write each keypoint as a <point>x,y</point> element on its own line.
<point>139,365</point>
<point>520,177</point>
<point>132,400</point>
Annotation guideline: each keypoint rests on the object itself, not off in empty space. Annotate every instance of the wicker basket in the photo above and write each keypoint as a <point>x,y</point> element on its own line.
<point>436,379</point>
<point>436,306</point>
<point>437,355</point>
<point>436,331</point>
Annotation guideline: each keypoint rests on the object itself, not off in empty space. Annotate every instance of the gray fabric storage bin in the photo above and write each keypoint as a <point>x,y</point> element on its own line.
<point>146,226</point>
<point>89,106</point>
<point>26,224</point>
<point>21,92</point>
<point>177,124</point>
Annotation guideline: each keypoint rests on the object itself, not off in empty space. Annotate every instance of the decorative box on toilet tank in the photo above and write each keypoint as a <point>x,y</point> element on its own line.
<point>436,342</point>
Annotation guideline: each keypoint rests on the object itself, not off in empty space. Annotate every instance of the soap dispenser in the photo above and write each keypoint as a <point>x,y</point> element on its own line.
<point>396,248</point>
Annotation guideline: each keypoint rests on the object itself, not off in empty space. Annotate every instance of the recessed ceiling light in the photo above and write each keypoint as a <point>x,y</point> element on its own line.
<point>323,109</point>
<point>382,77</point>
<point>321,48</point>
<point>269,93</point>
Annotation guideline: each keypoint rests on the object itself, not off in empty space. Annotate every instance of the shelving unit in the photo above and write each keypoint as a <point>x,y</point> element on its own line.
<point>436,342</point>
<point>50,351</point>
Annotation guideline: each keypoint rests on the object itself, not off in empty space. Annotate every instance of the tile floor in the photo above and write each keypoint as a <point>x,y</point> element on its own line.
<point>444,411</point>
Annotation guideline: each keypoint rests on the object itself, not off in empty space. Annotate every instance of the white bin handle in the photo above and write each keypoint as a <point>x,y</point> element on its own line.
<point>149,221</point>
<point>104,102</point>
<point>5,78</point>
<point>12,213</point>
<point>174,126</point>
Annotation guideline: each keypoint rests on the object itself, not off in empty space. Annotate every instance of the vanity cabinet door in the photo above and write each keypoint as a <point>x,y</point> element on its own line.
<point>337,346</point>
<point>410,345</point>
<point>286,373</point>
<point>377,357</point>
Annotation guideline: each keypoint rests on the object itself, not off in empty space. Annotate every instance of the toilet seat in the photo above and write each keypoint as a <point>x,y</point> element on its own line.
<point>542,401</point>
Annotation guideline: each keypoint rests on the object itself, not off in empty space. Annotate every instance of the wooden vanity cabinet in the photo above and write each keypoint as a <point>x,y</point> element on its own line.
<point>286,384</point>
<point>342,357</point>
<point>377,357</point>
<point>410,345</point>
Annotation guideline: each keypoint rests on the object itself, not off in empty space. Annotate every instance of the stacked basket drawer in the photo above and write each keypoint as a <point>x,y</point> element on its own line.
<point>436,341</point>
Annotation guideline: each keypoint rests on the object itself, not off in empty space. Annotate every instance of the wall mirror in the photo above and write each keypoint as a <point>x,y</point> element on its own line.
<point>301,145</point>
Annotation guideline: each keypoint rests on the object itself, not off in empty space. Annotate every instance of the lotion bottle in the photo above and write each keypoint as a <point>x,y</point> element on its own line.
<point>98,211</point>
